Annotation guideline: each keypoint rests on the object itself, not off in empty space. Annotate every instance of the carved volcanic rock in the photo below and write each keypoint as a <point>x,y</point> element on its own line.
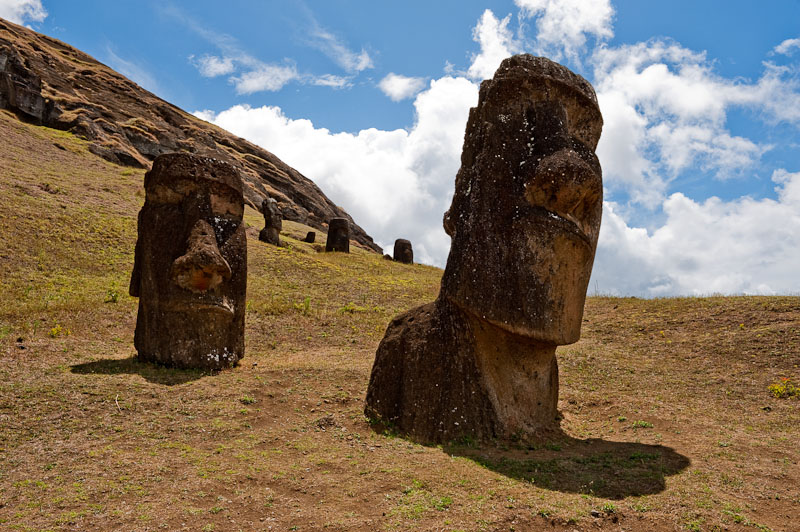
<point>190,265</point>
<point>403,252</point>
<point>338,235</point>
<point>480,361</point>
<point>273,223</point>
<point>48,82</point>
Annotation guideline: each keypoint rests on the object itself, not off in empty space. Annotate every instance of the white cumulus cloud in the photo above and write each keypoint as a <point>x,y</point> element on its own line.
<point>22,11</point>
<point>496,43</point>
<point>665,112</point>
<point>265,77</point>
<point>398,87</point>
<point>211,66</point>
<point>562,25</point>
<point>787,47</point>
<point>742,246</point>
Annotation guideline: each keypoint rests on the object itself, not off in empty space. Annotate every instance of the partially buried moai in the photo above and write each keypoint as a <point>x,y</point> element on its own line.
<point>338,235</point>
<point>190,265</point>
<point>403,251</point>
<point>273,222</point>
<point>479,362</point>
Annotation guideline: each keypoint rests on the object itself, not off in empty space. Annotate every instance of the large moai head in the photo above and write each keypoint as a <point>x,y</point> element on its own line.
<point>273,222</point>
<point>526,211</point>
<point>190,269</point>
<point>338,235</point>
<point>403,252</point>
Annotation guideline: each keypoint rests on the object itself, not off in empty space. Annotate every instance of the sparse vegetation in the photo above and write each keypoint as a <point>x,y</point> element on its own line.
<point>784,388</point>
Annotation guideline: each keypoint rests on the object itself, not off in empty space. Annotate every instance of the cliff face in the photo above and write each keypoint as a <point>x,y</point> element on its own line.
<point>50,83</point>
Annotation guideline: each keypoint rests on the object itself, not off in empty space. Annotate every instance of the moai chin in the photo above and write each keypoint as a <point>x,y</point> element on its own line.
<point>403,251</point>
<point>480,362</point>
<point>338,235</point>
<point>190,265</point>
<point>273,222</point>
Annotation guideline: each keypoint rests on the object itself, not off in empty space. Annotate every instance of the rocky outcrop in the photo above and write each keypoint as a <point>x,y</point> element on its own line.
<point>479,362</point>
<point>50,83</point>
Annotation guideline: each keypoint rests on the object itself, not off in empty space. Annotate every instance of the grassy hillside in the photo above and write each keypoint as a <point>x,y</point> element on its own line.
<point>669,423</point>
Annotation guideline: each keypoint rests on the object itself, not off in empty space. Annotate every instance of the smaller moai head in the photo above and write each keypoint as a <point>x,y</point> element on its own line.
<point>403,252</point>
<point>526,210</point>
<point>190,265</point>
<point>338,235</point>
<point>311,237</point>
<point>272,213</point>
<point>273,222</point>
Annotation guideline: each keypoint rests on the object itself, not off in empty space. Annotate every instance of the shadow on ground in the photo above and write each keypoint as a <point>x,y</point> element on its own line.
<point>150,372</point>
<point>608,469</point>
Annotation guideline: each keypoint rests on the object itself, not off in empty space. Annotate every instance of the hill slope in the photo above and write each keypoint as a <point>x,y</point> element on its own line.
<point>668,420</point>
<point>50,83</point>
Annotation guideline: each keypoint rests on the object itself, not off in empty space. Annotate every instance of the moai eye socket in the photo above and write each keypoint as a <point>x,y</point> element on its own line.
<point>225,202</point>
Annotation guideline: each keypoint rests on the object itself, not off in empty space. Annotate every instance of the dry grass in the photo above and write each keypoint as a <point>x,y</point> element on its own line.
<point>669,423</point>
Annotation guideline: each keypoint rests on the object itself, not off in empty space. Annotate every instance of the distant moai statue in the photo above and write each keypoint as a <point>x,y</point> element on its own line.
<point>338,235</point>
<point>311,237</point>
<point>479,362</point>
<point>403,251</point>
<point>273,222</point>
<point>190,264</point>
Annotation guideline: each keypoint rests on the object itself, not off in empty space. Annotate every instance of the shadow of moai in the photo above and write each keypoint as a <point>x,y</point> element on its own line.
<point>190,265</point>
<point>479,362</point>
<point>607,469</point>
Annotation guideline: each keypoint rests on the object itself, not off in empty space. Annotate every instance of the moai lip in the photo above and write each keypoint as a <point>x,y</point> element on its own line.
<point>190,265</point>
<point>479,362</point>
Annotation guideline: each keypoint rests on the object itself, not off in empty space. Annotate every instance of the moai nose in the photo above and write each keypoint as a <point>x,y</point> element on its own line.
<point>569,187</point>
<point>202,267</point>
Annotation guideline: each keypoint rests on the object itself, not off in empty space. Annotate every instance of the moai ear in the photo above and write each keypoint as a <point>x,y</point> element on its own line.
<point>449,226</point>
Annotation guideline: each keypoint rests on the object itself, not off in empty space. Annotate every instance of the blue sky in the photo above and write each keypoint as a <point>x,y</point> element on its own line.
<point>701,102</point>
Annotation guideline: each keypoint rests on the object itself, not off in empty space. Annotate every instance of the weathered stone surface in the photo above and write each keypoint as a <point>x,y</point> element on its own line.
<point>311,237</point>
<point>480,361</point>
<point>273,222</point>
<point>46,81</point>
<point>20,89</point>
<point>338,235</point>
<point>190,265</point>
<point>403,251</point>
